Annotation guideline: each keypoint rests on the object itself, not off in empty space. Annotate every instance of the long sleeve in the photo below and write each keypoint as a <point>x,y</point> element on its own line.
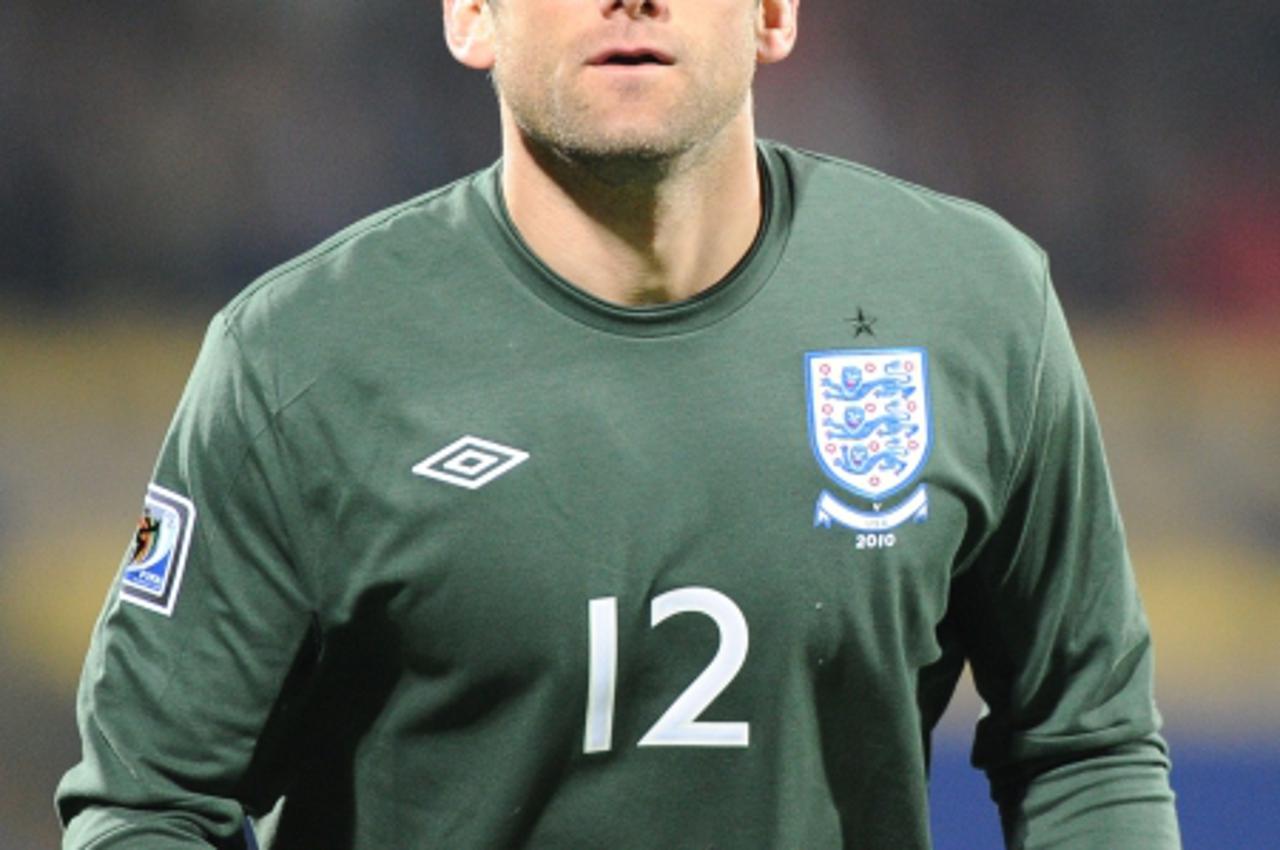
<point>205,620</point>
<point>1059,643</point>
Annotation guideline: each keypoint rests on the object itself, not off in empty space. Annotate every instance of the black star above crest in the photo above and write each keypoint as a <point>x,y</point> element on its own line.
<point>862,324</point>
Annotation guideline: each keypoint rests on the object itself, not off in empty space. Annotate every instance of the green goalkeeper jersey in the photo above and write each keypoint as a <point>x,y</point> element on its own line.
<point>442,552</point>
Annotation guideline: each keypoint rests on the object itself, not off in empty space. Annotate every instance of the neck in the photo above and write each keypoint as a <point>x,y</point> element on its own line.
<point>635,233</point>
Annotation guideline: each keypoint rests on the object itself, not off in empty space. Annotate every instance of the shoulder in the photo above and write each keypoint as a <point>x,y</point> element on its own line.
<point>900,220</point>
<point>358,263</point>
<point>346,284</point>
<point>952,271</point>
<point>318,313</point>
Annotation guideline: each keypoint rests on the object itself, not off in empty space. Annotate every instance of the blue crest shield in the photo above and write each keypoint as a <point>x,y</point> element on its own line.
<point>869,417</point>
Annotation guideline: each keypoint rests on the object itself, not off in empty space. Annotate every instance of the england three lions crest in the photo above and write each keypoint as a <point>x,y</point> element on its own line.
<point>870,429</point>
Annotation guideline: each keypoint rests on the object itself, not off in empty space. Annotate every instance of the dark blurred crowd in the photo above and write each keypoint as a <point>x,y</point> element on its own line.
<point>173,150</point>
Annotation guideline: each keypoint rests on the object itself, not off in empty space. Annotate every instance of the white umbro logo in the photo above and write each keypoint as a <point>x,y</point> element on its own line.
<point>470,462</point>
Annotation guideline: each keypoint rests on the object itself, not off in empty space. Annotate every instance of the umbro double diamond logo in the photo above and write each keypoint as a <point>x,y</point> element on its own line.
<point>470,462</point>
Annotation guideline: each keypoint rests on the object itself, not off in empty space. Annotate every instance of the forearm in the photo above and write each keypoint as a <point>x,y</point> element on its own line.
<point>104,805</point>
<point>110,828</point>
<point>1115,798</point>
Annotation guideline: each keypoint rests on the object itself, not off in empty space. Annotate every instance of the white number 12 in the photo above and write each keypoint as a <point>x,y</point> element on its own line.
<point>679,725</point>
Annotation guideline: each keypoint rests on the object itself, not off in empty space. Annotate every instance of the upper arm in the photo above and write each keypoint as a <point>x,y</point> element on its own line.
<point>204,621</point>
<point>1056,634</point>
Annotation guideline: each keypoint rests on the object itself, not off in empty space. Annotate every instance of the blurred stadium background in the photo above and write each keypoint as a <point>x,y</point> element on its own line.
<point>156,156</point>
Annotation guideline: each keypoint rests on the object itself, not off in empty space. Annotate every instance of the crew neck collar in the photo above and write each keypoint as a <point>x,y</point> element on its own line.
<point>711,305</point>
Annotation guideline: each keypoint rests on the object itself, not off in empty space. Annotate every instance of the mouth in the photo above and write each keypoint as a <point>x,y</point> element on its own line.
<point>631,57</point>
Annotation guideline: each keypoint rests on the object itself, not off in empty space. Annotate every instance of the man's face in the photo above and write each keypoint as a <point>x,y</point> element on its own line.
<point>598,79</point>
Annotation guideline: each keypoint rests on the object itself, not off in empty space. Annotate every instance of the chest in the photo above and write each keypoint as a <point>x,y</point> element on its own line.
<point>669,507</point>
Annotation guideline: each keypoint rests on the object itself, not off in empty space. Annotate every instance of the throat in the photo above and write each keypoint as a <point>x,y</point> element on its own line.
<point>650,296</point>
<point>670,229</point>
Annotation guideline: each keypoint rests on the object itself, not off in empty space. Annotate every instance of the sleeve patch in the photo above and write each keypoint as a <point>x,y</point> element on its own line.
<point>152,572</point>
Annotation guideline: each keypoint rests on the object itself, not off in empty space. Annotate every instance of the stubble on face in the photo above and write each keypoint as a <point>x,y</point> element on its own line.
<point>623,132</point>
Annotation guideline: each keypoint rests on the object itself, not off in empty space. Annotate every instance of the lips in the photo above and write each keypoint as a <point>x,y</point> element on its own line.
<point>631,56</point>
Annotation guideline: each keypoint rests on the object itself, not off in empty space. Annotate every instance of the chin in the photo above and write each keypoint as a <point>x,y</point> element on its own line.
<point>630,148</point>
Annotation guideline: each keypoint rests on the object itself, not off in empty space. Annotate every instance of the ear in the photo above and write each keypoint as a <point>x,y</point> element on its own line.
<point>468,30</point>
<point>776,29</point>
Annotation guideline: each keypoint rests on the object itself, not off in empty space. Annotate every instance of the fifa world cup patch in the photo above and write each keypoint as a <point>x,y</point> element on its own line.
<point>152,572</point>
<point>870,427</point>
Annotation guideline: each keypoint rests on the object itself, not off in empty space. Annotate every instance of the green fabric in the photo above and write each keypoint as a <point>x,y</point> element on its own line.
<point>407,663</point>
